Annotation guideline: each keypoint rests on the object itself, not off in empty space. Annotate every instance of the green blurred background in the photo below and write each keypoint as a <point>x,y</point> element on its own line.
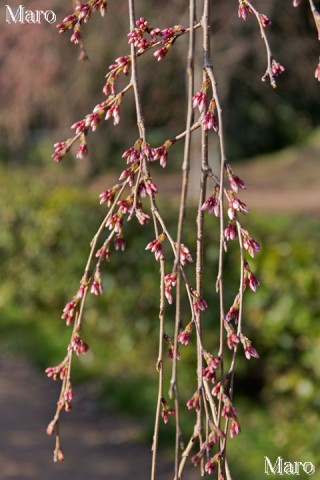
<point>49,214</point>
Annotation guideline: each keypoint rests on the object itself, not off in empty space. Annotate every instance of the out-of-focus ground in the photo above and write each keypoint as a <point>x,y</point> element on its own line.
<point>95,446</point>
<point>287,181</point>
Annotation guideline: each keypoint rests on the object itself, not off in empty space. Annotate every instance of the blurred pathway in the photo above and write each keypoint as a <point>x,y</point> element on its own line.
<point>95,448</point>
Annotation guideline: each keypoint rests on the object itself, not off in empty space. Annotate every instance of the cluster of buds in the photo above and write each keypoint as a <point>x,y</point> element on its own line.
<point>121,65</point>
<point>233,312</point>
<point>82,150</point>
<point>264,20</point>
<point>147,187</point>
<point>78,345</point>
<point>156,246</point>
<point>249,349</point>
<point>170,281</point>
<point>184,254</point>
<point>236,205</point>
<point>234,180</point>
<point>119,243</point>
<point>166,410</point>
<point>194,401</point>
<point>213,363</point>
<point>108,196</point>
<point>230,232</point>
<point>59,371</point>
<point>276,68</point>
<point>250,278</point>
<point>167,37</point>
<point>115,222</point>
<point>210,466</point>
<point>230,412</point>
<point>199,304</point>
<point>185,336</point>
<point>69,311</point>
<point>60,150</point>
<point>65,401</point>
<point>209,121</point>
<point>82,13</point>
<point>232,338</point>
<point>103,253</point>
<point>217,390</point>
<point>212,204</point>
<point>244,9</point>
<point>58,455</point>
<point>199,100</point>
<point>96,287</point>
<point>207,446</point>
<point>251,245</point>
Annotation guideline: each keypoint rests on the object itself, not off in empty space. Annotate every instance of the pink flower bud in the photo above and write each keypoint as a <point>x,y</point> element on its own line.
<point>50,428</point>
<point>58,455</point>
<point>230,232</point>
<point>276,68</point>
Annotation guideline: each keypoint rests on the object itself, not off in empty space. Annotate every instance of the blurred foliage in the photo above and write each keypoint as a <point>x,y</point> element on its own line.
<point>44,240</point>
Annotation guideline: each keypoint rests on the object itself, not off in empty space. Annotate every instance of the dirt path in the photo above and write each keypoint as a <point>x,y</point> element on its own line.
<point>96,448</point>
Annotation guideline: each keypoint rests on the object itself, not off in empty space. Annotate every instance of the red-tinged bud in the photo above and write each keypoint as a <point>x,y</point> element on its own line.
<point>232,340</point>
<point>82,289</point>
<point>75,37</point>
<point>50,428</point>
<point>249,349</point>
<point>92,121</point>
<point>265,21</point>
<point>229,411</point>
<point>253,282</point>
<point>58,455</point>
<point>250,245</point>
<point>209,375</point>
<point>276,68</point>
<point>156,247</point>
<point>196,459</point>
<point>210,466</point>
<point>161,53</point>
<point>119,244</point>
<point>185,336</point>
<point>296,3</point>
<point>234,429</point>
<point>82,151</point>
<point>69,312</point>
<point>233,314</point>
<point>60,150</point>
<point>184,254</point>
<point>199,100</point>
<point>142,217</point>
<point>142,23</point>
<point>199,304</point>
<point>244,9</point>
<point>236,183</point>
<point>217,390</point>
<point>194,401</point>
<point>209,121</point>
<point>212,204</point>
<point>79,126</point>
<point>230,232</point>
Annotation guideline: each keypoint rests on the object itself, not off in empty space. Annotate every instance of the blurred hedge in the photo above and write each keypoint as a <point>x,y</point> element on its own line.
<point>44,240</point>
